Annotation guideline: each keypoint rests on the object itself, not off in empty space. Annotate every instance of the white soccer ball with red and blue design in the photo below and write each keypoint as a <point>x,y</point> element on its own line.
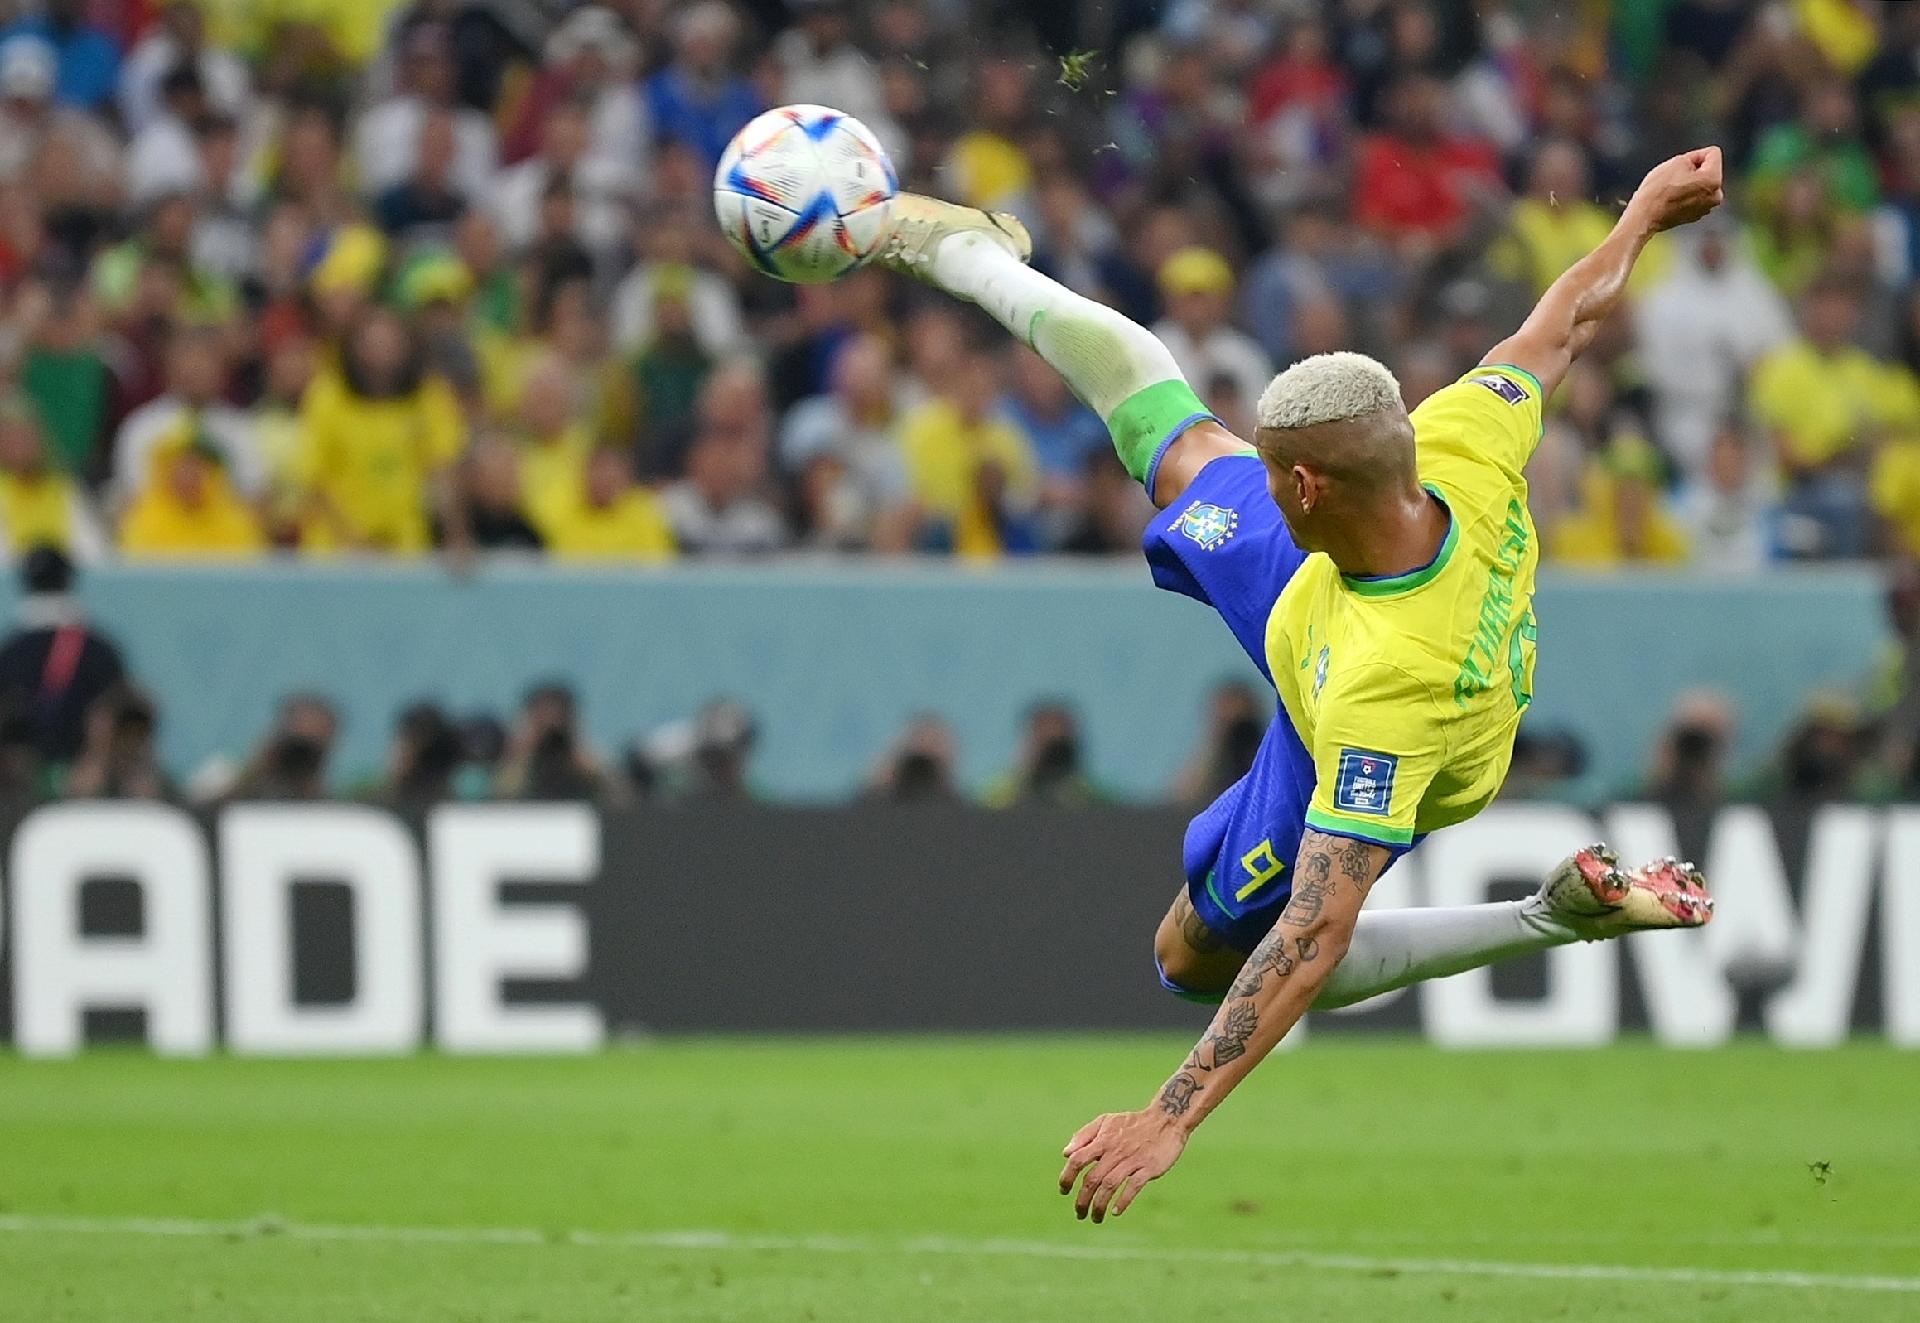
<point>805,193</point>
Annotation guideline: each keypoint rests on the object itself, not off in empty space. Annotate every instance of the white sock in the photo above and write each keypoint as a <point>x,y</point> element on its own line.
<point>1393,948</point>
<point>1103,357</point>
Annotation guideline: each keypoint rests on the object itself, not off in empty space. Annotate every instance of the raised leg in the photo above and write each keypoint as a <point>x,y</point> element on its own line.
<point>1587,898</point>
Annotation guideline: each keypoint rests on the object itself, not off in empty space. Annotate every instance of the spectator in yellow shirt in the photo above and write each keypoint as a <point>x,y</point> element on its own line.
<point>379,435</point>
<point>1622,516</point>
<point>39,504</point>
<point>554,440</point>
<point>1894,489</point>
<point>290,366</point>
<point>987,165</point>
<point>1790,238</point>
<point>187,507</point>
<point>1554,225</point>
<point>1824,401</point>
<point>972,474</point>
<point>609,517</point>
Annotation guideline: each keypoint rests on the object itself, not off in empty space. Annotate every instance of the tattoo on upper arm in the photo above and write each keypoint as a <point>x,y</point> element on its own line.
<point>1202,939</point>
<point>1356,863</point>
<point>1309,895</point>
<point>1313,882</point>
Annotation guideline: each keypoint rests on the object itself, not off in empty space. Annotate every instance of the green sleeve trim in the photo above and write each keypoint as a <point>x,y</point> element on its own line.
<point>1145,419</point>
<point>1359,829</point>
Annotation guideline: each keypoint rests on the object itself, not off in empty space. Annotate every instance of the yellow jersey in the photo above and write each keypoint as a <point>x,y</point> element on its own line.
<point>1407,690</point>
<point>375,459</point>
<point>157,525</point>
<point>633,527</point>
<point>945,455</point>
<point>551,471</point>
<point>36,509</point>
<point>1822,406</point>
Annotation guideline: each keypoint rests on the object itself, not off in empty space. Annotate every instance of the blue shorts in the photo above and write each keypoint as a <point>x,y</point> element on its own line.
<point>1224,543</point>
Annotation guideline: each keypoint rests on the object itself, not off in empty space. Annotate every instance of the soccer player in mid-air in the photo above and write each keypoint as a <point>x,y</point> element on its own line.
<point>1378,567</point>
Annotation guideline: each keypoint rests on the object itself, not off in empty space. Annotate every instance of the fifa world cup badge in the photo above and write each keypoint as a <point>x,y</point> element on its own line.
<point>1209,525</point>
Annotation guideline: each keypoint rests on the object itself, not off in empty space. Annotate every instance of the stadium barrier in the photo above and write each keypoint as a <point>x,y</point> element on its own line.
<point>345,929</point>
<point>834,658</point>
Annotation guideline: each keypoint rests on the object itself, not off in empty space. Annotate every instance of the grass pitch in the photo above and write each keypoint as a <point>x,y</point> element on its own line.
<point>855,1181</point>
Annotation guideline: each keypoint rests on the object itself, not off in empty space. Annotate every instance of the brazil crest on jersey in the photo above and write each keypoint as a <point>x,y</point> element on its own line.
<point>1407,690</point>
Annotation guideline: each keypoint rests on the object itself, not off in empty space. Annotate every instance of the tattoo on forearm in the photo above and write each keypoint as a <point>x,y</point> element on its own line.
<point>1314,882</point>
<point>1268,957</point>
<point>1177,1096</point>
<point>1355,860</point>
<point>1293,942</point>
<point>1309,898</point>
<point>1230,1041</point>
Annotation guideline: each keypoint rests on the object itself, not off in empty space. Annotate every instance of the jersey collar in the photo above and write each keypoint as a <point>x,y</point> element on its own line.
<point>1391,585</point>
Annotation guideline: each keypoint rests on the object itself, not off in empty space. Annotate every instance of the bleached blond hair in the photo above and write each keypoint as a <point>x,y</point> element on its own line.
<point>1328,388</point>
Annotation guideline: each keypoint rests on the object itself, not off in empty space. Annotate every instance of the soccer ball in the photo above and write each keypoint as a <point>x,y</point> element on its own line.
<point>805,193</point>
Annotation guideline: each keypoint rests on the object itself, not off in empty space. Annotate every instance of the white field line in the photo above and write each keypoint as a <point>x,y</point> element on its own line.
<point>724,1241</point>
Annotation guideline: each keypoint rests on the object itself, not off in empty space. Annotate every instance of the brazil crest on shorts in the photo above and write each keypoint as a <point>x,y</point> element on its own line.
<point>1209,525</point>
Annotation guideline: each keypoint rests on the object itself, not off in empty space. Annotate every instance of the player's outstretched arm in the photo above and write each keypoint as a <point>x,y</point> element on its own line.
<point>1564,322</point>
<point>1114,1155</point>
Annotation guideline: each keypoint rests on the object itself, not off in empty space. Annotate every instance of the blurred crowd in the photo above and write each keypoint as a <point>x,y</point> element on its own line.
<point>390,278</point>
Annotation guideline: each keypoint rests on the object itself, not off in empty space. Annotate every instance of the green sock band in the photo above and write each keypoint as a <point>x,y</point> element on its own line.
<point>1148,420</point>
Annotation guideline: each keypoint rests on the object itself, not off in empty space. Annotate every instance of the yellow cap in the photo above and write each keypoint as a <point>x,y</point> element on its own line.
<point>353,260</point>
<point>1630,455</point>
<point>1195,271</point>
<point>434,278</point>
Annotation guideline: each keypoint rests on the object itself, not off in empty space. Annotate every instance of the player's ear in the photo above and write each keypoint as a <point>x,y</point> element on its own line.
<point>1306,486</point>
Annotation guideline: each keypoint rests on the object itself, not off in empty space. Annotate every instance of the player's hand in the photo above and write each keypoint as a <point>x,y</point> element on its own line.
<point>1114,1155</point>
<point>1681,190</point>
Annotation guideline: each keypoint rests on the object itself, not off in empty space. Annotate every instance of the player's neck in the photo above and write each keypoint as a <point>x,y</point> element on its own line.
<point>1403,535</point>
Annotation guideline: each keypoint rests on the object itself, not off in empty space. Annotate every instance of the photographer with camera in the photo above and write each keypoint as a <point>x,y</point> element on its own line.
<point>545,757</point>
<point>117,760</point>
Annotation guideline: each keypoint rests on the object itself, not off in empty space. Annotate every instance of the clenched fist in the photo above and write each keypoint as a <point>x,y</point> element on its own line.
<point>1681,190</point>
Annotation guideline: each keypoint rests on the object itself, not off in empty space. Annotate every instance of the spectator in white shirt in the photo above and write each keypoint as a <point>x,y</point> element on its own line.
<point>67,154</point>
<point>1197,285</point>
<point>196,377</point>
<point>603,189</point>
<point>718,508</point>
<point>844,448</point>
<point>163,156</point>
<point>1729,510</point>
<point>225,231</point>
<point>1699,331</point>
<point>387,141</point>
<point>667,238</point>
<point>596,59</point>
<point>820,65</point>
<point>178,40</point>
